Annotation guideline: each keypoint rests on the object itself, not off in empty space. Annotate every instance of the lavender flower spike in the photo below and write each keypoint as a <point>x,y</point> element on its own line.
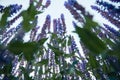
<point>63,22</point>
<point>47,3</point>
<point>72,2</point>
<point>112,30</point>
<point>115,0</point>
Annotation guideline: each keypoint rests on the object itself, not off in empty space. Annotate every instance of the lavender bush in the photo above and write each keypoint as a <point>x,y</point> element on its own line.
<point>53,54</point>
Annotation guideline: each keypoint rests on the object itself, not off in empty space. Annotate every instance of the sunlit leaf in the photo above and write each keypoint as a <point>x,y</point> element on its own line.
<point>90,23</point>
<point>29,15</point>
<point>91,41</point>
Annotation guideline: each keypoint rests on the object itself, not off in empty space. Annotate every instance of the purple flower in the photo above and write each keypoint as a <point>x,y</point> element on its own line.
<point>73,44</point>
<point>115,0</point>
<point>77,6</point>
<point>48,22</point>
<point>46,25</point>
<point>63,22</point>
<point>112,30</point>
<point>54,25</point>
<point>74,24</point>
<point>95,8</point>
<point>13,20</point>
<point>48,2</point>
<point>106,15</point>
<point>1,8</point>
<point>33,33</point>
<point>71,2</point>
<point>75,14</point>
<point>14,8</point>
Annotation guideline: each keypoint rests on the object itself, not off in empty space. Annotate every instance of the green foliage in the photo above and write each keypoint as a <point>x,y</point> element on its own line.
<point>29,15</point>
<point>92,62</point>
<point>15,47</point>
<point>91,41</point>
<point>90,24</point>
<point>28,49</point>
<point>35,52</point>
<point>26,74</point>
<point>42,41</point>
<point>6,69</point>
<point>115,50</point>
<point>3,20</point>
<point>56,50</point>
<point>43,62</point>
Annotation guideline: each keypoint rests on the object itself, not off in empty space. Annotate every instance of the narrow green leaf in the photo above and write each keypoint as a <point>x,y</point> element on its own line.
<point>90,23</point>
<point>78,72</point>
<point>29,15</point>
<point>91,41</point>
<point>93,63</point>
<point>56,50</point>
<point>68,55</point>
<point>42,41</point>
<point>42,62</point>
<point>3,20</point>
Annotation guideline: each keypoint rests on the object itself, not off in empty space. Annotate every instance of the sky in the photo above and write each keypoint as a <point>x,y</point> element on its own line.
<point>56,9</point>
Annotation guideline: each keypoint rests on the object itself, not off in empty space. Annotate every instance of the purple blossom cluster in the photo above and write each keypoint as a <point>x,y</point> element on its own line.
<point>9,23</point>
<point>59,26</point>
<point>106,15</point>
<point>81,66</point>
<point>63,22</point>
<point>77,6</point>
<point>105,4</point>
<point>46,25</point>
<point>33,33</point>
<point>105,34</point>
<point>7,34</point>
<point>116,33</point>
<point>73,44</point>
<point>17,33</point>
<point>110,8</point>
<point>76,15</point>
<point>14,8</point>
<point>45,28</point>
<point>48,2</point>
<point>115,1</point>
